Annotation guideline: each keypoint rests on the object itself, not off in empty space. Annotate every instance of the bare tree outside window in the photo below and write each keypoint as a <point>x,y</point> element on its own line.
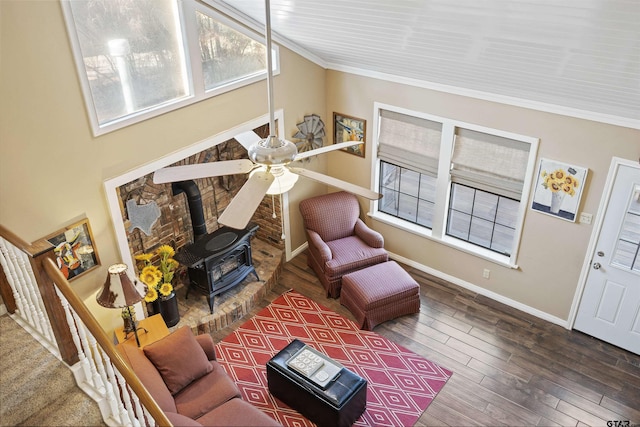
<point>133,54</point>
<point>227,55</point>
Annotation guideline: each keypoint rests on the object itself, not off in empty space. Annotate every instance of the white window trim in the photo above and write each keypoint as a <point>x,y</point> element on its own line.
<point>443,184</point>
<point>196,91</point>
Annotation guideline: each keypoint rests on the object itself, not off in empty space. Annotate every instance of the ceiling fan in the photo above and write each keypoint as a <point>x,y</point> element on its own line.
<point>268,164</point>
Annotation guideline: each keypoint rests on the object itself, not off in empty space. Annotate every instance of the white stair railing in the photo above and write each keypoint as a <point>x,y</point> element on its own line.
<point>94,372</point>
<point>30,313</point>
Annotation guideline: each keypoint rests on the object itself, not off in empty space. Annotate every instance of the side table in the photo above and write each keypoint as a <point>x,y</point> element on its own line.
<point>155,327</point>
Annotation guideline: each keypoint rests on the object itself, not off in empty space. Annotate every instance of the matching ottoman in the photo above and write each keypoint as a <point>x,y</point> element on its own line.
<point>379,293</point>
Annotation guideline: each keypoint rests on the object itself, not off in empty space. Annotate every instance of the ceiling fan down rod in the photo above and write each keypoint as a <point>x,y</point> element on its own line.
<point>272,120</point>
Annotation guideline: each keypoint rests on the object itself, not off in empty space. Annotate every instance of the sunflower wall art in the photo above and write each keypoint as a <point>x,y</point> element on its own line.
<point>558,189</point>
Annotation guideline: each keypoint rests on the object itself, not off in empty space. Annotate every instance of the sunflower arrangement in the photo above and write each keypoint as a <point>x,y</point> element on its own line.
<point>158,279</point>
<point>560,181</point>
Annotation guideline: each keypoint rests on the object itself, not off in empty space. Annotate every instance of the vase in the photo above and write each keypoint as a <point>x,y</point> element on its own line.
<point>556,202</point>
<point>167,307</point>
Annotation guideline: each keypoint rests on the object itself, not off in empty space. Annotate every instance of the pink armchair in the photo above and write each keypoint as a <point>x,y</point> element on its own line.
<point>339,241</point>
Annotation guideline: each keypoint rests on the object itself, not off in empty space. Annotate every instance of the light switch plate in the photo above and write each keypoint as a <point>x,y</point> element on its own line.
<point>585,218</point>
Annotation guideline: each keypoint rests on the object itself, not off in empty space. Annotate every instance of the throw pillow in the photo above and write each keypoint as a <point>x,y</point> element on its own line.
<point>179,359</point>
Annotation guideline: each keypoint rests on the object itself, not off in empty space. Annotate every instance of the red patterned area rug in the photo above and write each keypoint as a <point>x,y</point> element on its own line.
<point>401,384</point>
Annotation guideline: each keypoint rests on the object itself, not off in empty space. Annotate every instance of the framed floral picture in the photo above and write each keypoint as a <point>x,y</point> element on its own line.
<point>347,128</point>
<point>74,251</point>
<point>558,189</point>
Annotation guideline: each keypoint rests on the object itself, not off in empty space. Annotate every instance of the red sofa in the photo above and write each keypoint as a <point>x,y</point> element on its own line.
<point>181,373</point>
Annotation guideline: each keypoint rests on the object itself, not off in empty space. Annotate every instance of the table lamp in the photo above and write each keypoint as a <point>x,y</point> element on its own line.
<point>119,291</point>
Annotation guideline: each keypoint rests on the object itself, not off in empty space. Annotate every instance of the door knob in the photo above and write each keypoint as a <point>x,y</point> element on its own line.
<point>596,266</point>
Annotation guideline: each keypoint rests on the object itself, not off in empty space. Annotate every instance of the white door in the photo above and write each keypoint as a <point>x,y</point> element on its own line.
<point>610,304</point>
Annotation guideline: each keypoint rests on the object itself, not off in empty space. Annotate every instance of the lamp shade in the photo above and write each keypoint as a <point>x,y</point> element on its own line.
<point>118,290</point>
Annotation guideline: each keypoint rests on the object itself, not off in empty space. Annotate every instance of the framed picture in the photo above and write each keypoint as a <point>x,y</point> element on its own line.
<point>558,189</point>
<point>74,250</point>
<point>347,128</point>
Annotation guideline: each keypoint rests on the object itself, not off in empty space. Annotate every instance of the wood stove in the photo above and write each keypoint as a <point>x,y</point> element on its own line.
<point>218,261</point>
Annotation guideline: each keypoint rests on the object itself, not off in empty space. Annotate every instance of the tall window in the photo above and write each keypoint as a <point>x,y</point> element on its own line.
<point>458,183</point>
<point>409,149</point>
<point>137,58</point>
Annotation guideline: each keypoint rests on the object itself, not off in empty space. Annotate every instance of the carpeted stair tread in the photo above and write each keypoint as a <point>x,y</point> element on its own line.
<point>35,387</point>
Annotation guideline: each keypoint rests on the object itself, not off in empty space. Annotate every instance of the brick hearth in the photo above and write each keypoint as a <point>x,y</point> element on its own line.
<point>235,303</point>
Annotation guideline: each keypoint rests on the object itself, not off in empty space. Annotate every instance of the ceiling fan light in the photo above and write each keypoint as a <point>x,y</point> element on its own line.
<point>272,151</point>
<point>283,182</point>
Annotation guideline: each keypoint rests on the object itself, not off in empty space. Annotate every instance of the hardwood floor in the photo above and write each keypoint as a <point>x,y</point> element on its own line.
<point>510,368</point>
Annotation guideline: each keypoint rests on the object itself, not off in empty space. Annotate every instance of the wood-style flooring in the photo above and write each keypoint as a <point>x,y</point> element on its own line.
<point>510,368</point>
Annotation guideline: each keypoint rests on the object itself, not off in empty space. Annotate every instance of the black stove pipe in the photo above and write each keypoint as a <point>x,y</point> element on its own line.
<point>194,199</point>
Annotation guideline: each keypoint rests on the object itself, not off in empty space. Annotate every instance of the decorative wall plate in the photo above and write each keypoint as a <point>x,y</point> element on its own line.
<point>310,132</point>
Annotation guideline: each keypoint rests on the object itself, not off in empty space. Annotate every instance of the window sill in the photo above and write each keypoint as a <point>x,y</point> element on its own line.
<point>446,240</point>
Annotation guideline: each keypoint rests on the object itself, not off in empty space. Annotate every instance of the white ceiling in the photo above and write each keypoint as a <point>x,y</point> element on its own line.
<point>577,57</point>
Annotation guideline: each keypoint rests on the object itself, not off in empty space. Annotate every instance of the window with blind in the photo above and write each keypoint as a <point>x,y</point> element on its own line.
<point>408,149</point>
<point>459,183</point>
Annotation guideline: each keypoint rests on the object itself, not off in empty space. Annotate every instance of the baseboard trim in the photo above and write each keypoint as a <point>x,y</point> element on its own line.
<point>470,286</point>
<point>482,291</point>
<point>299,250</point>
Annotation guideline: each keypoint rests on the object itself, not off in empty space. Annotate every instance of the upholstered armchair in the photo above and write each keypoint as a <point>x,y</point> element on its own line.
<point>339,241</point>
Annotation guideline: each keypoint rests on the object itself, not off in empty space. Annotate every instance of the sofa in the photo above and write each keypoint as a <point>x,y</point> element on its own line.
<point>339,241</point>
<point>180,371</point>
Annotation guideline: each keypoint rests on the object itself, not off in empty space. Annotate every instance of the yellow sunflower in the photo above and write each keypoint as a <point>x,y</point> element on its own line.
<point>150,275</point>
<point>151,295</point>
<point>144,257</point>
<point>166,289</point>
<point>165,251</point>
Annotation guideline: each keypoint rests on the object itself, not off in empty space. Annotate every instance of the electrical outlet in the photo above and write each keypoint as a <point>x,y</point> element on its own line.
<point>585,218</point>
<point>486,273</point>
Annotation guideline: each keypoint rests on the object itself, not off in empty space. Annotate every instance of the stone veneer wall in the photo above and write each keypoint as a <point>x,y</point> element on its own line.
<point>174,225</point>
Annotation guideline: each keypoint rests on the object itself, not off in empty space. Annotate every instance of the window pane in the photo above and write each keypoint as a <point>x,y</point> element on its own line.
<point>462,198</point>
<point>408,207</point>
<point>132,53</point>
<point>389,202</point>
<point>627,252</point>
<point>481,232</point>
<point>425,213</point>
<point>427,188</point>
<point>227,55</point>
<point>507,214</point>
<point>390,176</point>
<point>458,225</point>
<point>625,255</point>
<point>409,181</point>
<point>502,239</point>
<point>485,205</point>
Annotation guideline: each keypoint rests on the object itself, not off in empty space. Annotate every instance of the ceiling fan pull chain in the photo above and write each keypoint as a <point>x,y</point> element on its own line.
<point>282,218</point>
<point>273,207</point>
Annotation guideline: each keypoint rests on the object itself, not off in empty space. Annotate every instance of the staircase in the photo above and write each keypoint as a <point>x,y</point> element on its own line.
<point>35,387</point>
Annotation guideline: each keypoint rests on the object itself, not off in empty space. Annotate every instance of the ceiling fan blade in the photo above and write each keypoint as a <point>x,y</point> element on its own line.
<point>335,182</point>
<point>239,212</point>
<point>247,139</point>
<point>202,170</point>
<point>325,149</point>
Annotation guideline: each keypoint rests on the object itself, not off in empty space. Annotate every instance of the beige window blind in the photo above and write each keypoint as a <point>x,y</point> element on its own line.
<point>410,142</point>
<point>489,162</point>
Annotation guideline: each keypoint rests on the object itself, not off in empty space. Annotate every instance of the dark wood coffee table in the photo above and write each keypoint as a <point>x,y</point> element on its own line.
<point>338,402</point>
